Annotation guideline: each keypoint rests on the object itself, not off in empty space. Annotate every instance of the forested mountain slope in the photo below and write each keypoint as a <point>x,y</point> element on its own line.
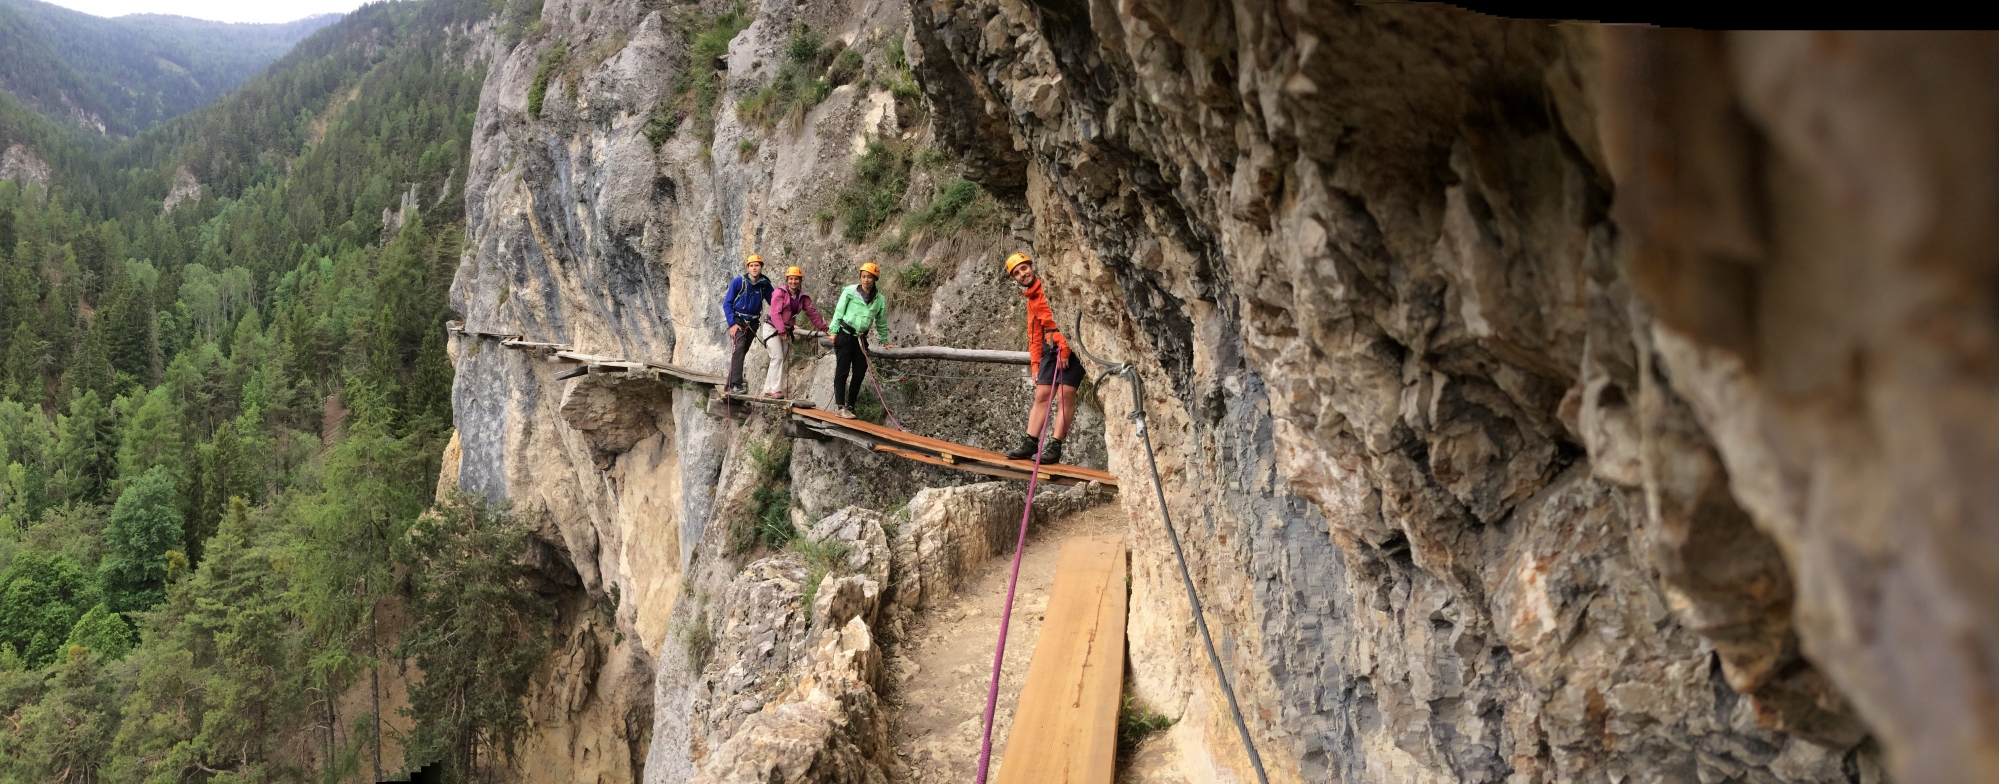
<point>124,75</point>
<point>223,395</point>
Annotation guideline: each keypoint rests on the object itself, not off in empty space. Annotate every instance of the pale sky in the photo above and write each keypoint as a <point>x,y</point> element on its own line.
<point>218,10</point>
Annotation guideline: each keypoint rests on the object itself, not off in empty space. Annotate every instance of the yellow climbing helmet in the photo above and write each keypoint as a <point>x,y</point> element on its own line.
<point>794,271</point>
<point>1016,260</point>
<point>872,268</point>
<point>752,259</point>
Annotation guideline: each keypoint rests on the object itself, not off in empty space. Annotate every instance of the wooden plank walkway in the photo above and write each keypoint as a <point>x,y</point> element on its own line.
<point>809,421</point>
<point>939,452</point>
<point>1065,726</point>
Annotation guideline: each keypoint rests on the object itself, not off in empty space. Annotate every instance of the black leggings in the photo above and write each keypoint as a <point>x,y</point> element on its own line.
<point>849,357</point>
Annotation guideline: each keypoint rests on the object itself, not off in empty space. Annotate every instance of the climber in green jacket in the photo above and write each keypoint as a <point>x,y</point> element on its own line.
<point>861,306</point>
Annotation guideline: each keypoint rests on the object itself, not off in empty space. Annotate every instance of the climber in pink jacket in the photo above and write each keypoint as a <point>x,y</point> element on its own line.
<point>786,303</point>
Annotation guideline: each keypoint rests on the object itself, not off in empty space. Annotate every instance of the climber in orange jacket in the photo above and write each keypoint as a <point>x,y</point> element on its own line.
<point>1056,371</point>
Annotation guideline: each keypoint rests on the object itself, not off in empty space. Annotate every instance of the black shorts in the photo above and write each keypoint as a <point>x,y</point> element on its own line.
<point>1072,375</point>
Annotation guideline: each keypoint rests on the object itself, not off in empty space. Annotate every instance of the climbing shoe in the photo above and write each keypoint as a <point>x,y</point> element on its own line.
<point>846,412</point>
<point>1052,454</point>
<point>1026,449</point>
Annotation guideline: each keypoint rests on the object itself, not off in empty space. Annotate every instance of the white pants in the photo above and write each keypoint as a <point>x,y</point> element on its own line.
<point>779,349</point>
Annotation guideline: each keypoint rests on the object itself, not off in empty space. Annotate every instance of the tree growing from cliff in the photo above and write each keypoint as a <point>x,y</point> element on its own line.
<point>478,631</point>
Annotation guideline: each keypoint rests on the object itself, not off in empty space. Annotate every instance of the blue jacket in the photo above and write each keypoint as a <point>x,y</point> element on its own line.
<point>745,300</point>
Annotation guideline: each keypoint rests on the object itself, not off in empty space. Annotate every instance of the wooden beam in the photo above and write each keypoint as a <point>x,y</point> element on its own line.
<point>965,455</point>
<point>588,359</point>
<point>849,435</point>
<point>694,376</point>
<point>518,343</point>
<point>1065,725</point>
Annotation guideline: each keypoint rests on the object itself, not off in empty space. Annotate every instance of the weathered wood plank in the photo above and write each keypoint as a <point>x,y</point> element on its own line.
<point>588,359</point>
<point>962,452</point>
<point>695,376</point>
<point>518,343</point>
<point>1065,726</point>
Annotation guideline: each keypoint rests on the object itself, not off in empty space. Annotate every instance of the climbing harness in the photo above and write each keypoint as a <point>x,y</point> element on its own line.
<point>1130,374</point>
<point>1006,615</point>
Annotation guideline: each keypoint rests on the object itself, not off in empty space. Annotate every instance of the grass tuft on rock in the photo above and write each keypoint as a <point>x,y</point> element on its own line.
<point>881,177</point>
<point>810,72</point>
<point>822,558</point>
<point>698,89</point>
<point>1135,723</point>
<point>766,520</point>
<point>959,206</point>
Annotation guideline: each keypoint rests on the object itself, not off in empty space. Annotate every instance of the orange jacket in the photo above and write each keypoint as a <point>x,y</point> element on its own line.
<point>1041,327</point>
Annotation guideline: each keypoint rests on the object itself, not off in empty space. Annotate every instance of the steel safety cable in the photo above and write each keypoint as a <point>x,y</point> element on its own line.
<point>1130,374</point>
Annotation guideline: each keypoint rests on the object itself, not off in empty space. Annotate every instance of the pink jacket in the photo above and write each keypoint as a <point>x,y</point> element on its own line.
<point>784,307</point>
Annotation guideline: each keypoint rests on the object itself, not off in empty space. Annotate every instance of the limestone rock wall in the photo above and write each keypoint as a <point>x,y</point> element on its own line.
<point>1537,396</point>
<point>22,165</point>
<point>583,232</point>
<point>1539,402</point>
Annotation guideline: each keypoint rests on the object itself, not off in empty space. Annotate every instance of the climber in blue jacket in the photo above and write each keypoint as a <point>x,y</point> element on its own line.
<point>743,307</point>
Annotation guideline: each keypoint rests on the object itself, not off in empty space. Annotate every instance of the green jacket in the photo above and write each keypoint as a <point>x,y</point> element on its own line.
<point>857,315</point>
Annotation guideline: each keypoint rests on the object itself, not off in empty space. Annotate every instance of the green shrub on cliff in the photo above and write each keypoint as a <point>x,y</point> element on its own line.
<point>810,72</point>
<point>881,177</point>
<point>551,61</point>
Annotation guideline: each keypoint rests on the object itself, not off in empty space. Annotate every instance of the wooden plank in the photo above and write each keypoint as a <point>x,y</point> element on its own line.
<point>849,435</point>
<point>690,375</point>
<point>961,452</point>
<point>1065,726</point>
<point>518,343</point>
<point>757,399</point>
<point>976,468</point>
<point>588,359</point>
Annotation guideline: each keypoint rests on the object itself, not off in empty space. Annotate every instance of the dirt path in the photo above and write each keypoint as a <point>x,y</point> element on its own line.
<point>941,669</point>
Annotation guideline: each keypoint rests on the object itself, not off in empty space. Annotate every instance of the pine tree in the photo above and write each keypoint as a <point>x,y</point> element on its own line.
<point>85,450</point>
<point>153,434</point>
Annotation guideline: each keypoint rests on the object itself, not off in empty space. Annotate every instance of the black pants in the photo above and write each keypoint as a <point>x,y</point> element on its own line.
<point>850,355</point>
<point>742,341</point>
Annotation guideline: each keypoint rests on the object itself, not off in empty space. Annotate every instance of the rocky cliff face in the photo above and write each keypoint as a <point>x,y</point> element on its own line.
<point>1593,446</point>
<point>1541,403</point>
<point>583,231</point>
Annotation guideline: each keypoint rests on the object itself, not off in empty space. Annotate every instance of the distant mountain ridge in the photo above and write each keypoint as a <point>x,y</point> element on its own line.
<point>117,77</point>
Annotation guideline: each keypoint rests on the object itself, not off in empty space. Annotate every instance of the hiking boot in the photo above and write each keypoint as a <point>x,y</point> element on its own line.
<point>1026,449</point>
<point>1052,454</point>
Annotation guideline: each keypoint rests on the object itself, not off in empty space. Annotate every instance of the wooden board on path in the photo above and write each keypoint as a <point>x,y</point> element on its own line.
<point>959,453</point>
<point>1065,727</point>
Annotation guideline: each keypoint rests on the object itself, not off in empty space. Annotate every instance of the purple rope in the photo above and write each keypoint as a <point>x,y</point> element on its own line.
<point>878,394</point>
<point>999,653</point>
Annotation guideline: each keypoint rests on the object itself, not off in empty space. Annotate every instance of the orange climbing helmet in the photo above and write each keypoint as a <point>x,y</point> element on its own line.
<point>872,268</point>
<point>752,259</point>
<point>794,272</point>
<point>1016,260</point>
